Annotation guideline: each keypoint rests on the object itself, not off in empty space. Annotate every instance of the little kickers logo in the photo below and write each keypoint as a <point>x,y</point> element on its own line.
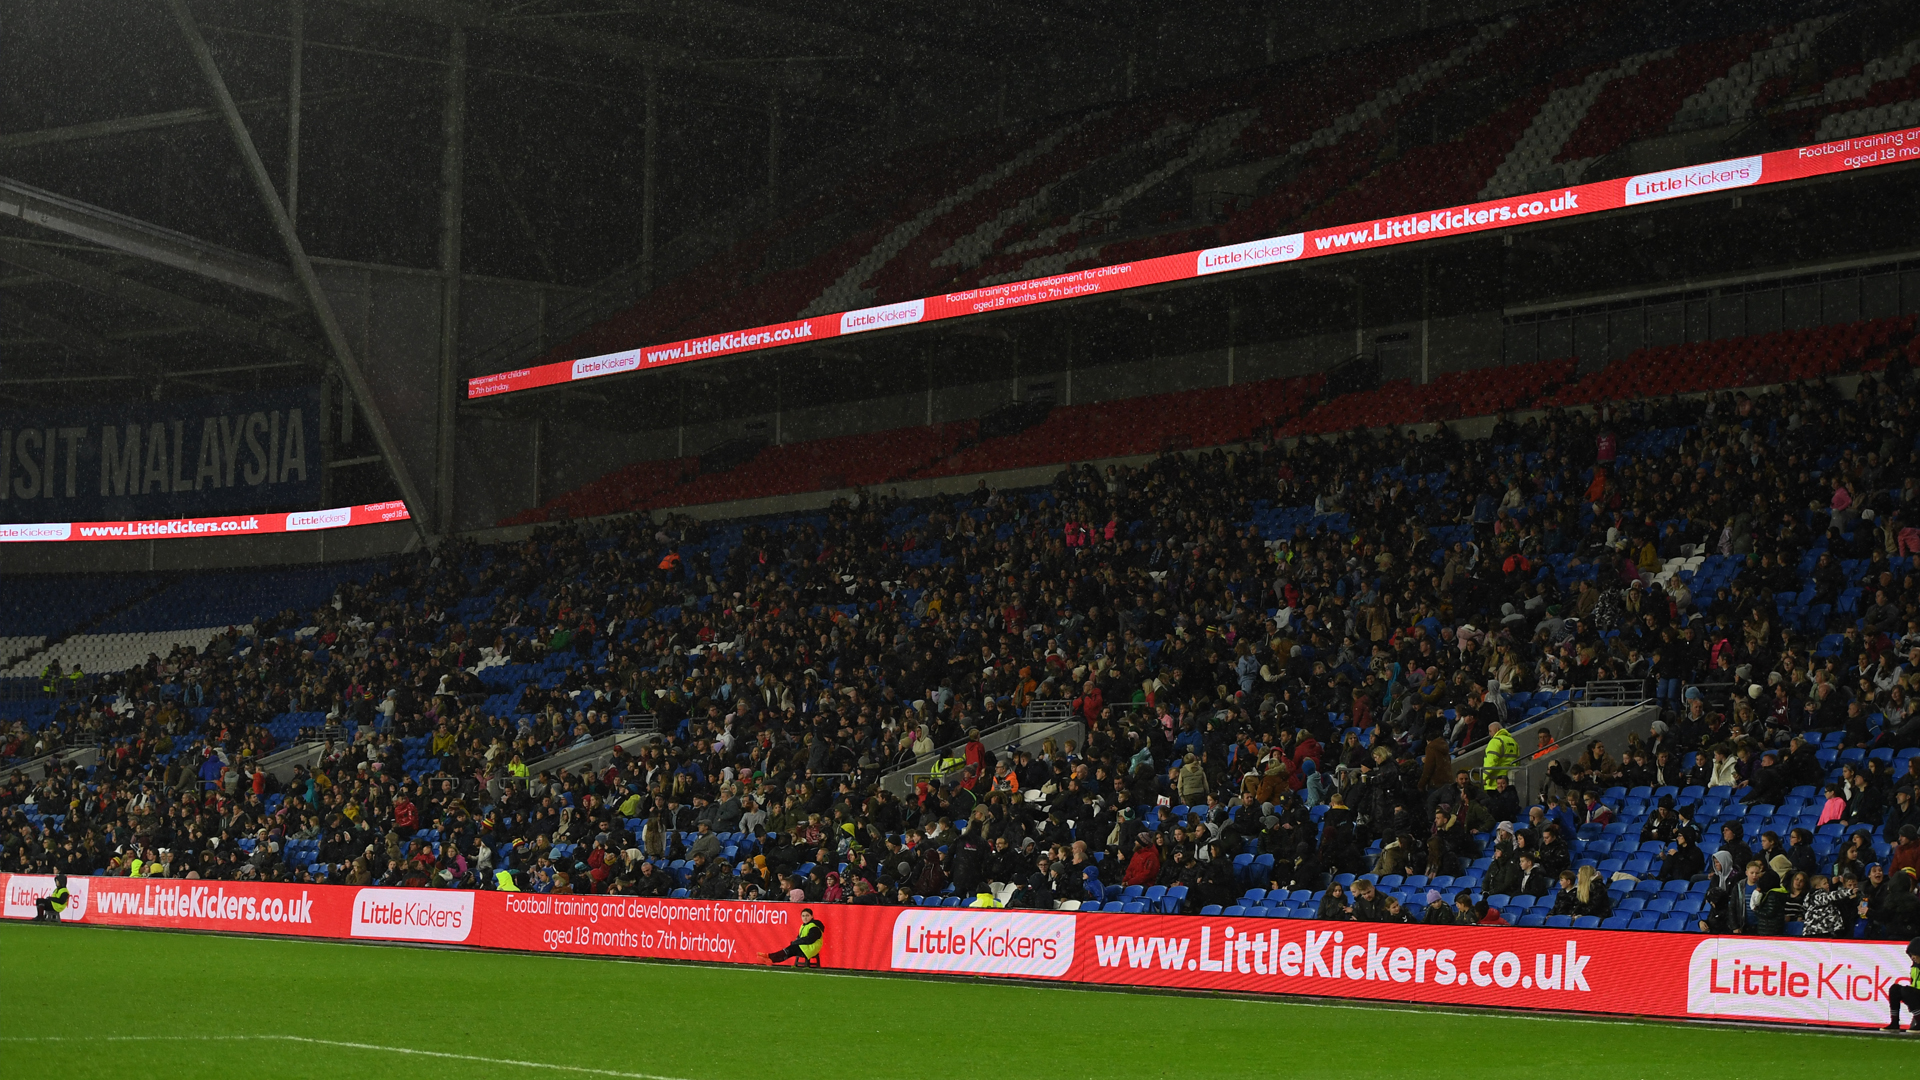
<point>984,942</point>
<point>1770,979</point>
<point>25,891</point>
<point>412,915</point>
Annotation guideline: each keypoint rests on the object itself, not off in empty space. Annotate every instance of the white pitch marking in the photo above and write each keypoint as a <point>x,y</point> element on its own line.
<point>341,1043</point>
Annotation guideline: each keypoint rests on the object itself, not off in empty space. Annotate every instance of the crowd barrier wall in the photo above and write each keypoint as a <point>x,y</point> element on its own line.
<point>1676,976</point>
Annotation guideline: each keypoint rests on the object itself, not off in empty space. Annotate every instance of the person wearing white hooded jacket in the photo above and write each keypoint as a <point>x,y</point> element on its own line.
<point>1726,770</point>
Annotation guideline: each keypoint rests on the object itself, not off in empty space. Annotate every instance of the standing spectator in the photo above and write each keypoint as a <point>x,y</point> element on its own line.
<point>1830,908</point>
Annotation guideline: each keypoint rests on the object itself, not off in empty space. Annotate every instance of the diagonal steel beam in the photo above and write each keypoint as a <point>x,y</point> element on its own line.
<point>135,237</point>
<point>120,126</point>
<point>70,335</point>
<point>652,52</point>
<point>302,267</point>
<point>205,317</point>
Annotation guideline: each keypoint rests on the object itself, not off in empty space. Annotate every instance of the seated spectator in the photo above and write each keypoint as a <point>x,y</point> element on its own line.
<point>1833,808</point>
<point>1503,874</point>
<point>1334,906</point>
<point>1369,905</point>
<point>1392,912</point>
<point>1906,851</point>
<point>1590,894</point>
<point>1683,860</point>
<point>1534,881</point>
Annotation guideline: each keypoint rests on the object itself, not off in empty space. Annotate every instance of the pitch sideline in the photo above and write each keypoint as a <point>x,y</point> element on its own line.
<point>308,1040</point>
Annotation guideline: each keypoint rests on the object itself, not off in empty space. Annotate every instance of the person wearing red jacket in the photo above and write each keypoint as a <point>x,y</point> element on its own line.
<point>1144,868</point>
<point>1307,747</point>
<point>406,816</point>
<point>1090,701</point>
<point>1906,852</point>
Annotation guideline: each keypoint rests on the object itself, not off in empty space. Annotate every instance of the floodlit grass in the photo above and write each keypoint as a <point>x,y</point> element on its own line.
<point>86,1002</point>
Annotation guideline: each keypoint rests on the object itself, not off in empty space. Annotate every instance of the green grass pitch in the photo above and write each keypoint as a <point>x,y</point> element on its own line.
<point>89,1002</point>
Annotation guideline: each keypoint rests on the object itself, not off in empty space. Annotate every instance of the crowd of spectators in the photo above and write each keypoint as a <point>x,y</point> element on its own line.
<point>1302,691</point>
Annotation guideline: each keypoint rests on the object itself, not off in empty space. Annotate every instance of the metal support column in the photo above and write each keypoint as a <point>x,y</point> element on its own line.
<point>1233,336</point>
<point>539,453</point>
<point>1359,317</point>
<point>647,173</point>
<point>453,142</point>
<point>1069,395</point>
<point>773,148</point>
<point>302,267</point>
<point>1426,313</point>
<point>297,29</point>
<point>326,440</point>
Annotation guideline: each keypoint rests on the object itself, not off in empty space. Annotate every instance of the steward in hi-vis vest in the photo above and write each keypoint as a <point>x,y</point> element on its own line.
<point>1906,993</point>
<point>806,945</point>
<point>49,907</point>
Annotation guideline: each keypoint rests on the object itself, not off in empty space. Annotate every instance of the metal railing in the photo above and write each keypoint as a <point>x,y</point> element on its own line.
<point>303,752</point>
<point>82,752</point>
<point>1476,751</point>
<point>1615,691</point>
<point>1050,711</point>
<point>1037,711</point>
<point>1713,693</point>
<point>1611,727</point>
<point>1042,720</point>
<point>592,755</point>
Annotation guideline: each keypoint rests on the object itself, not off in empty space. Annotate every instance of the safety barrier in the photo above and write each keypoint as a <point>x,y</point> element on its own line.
<point>1680,976</point>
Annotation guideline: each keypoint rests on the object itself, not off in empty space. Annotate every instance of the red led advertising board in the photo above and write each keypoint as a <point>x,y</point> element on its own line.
<point>1780,166</point>
<point>340,517</point>
<point>1676,976</point>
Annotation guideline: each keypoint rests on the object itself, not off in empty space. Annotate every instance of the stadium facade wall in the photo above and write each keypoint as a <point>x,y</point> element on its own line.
<point>1828,983</point>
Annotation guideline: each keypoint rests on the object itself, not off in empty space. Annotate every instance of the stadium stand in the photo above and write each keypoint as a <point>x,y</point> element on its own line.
<point>97,654</point>
<point>1274,656</point>
<point>1222,416</point>
<point>1333,139</point>
<point>1229,671</point>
